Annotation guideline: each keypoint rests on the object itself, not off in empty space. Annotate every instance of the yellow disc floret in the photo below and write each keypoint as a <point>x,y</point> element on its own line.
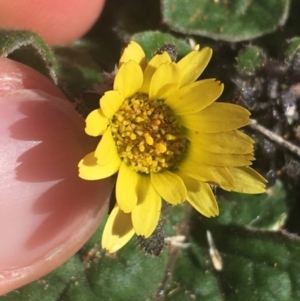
<point>148,135</point>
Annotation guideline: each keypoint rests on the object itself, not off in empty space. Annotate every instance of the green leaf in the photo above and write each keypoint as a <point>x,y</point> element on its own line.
<point>151,41</point>
<point>250,59</point>
<point>267,210</point>
<point>28,48</point>
<point>233,21</point>
<point>192,277</point>
<point>78,72</point>
<point>130,274</point>
<point>256,265</point>
<point>50,287</point>
<point>292,47</point>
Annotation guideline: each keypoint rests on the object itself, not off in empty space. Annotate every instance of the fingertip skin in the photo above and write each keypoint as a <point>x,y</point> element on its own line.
<point>57,22</point>
<point>46,211</point>
<point>15,76</point>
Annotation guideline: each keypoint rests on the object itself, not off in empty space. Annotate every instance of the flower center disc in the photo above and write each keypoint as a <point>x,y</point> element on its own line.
<point>148,136</point>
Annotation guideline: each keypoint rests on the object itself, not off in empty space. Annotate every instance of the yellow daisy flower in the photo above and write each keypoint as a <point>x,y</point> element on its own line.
<point>167,139</point>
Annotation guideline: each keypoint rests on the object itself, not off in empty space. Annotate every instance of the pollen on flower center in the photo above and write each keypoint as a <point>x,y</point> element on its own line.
<point>148,135</point>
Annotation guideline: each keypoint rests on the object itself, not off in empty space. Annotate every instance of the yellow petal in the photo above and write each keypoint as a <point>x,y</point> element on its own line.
<point>154,63</point>
<point>232,142</point>
<point>90,170</point>
<point>106,150</point>
<point>247,180</point>
<point>200,196</point>
<point>164,81</point>
<point>129,79</point>
<point>110,103</point>
<point>195,97</point>
<point>96,123</point>
<point>169,186</point>
<point>133,52</point>
<point>126,188</point>
<point>192,65</point>
<point>146,213</point>
<point>217,159</point>
<point>217,118</point>
<point>219,176</point>
<point>118,230</point>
